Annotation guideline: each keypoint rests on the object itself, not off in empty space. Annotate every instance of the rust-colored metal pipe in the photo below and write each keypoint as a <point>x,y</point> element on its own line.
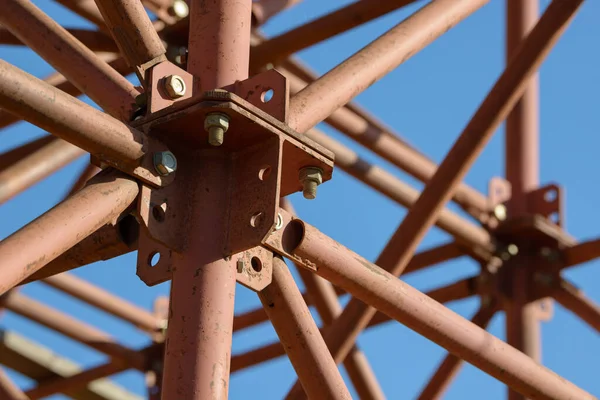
<point>70,327</point>
<point>13,156</point>
<point>380,289</point>
<point>89,171</point>
<point>105,301</point>
<point>36,166</point>
<point>300,336</point>
<point>523,329</point>
<point>219,52</point>
<point>581,253</point>
<point>81,379</point>
<point>8,390</point>
<point>386,183</point>
<point>458,290</point>
<point>86,9</point>
<point>380,139</point>
<point>450,366</point>
<point>82,67</point>
<point>198,345</point>
<point>274,350</point>
<point>93,40</point>
<point>263,10</point>
<point>60,82</point>
<point>472,140</point>
<point>429,206</point>
<point>575,301</point>
<point>59,229</point>
<point>130,26</point>
<point>68,118</point>
<point>108,242</point>
<point>340,85</point>
<point>323,28</point>
<point>324,298</point>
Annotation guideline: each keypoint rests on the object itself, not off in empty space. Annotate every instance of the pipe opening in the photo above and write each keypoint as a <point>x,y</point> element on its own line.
<point>293,235</point>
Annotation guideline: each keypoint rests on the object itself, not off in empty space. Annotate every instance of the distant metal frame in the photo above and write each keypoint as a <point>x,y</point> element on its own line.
<point>154,175</point>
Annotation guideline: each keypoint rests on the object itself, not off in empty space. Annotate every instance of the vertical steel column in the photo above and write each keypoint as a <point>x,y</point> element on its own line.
<point>522,171</point>
<point>198,346</point>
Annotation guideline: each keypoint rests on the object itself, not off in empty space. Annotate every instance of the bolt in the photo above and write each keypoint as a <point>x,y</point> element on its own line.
<point>216,124</point>
<point>310,177</point>
<point>165,162</point>
<point>279,222</point>
<point>179,9</point>
<point>240,266</point>
<point>500,212</point>
<point>175,86</point>
<point>512,249</point>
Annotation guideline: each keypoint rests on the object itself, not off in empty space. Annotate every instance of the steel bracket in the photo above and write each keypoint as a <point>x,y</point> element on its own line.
<point>257,163</point>
<point>548,201</point>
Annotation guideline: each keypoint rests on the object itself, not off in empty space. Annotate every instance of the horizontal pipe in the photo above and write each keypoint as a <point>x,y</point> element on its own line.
<point>274,350</point>
<point>68,118</point>
<point>263,10</point>
<point>387,144</point>
<point>60,82</point>
<point>70,327</point>
<point>93,40</point>
<point>83,378</point>
<point>300,336</point>
<point>378,288</point>
<point>108,242</point>
<point>106,301</point>
<point>384,182</point>
<point>93,76</point>
<point>578,303</point>
<point>581,253</point>
<point>320,29</point>
<point>80,380</point>
<point>132,29</point>
<point>47,237</point>
<point>450,366</point>
<point>34,167</point>
<point>86,9</point>
<point>458,290</point>
<point>89,171</point>
<point>13,155</point>
<point>340,85</point>
<point>8,390</point>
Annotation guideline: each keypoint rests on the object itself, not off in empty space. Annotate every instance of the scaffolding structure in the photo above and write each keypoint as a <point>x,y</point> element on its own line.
<point>191,169</point>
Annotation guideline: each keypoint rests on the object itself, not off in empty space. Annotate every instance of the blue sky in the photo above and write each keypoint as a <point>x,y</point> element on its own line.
<point>428,100</point>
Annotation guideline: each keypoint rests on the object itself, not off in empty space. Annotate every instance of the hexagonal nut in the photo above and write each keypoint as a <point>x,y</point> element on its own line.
<point>165,162</point>
<point>311,173</point>
<point>179,9</point>
<point>216,120</point>
<point>175,86</point>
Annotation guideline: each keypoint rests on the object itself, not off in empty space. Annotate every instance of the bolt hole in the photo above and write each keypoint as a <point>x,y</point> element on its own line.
<point>267,95</point>
<point>550,196</point>
<point>554,217</point>
<point>154,258</point>
<point>264,173</point>
<point>256,219</point>
<point>256,264</point>
<point>158,212</point>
